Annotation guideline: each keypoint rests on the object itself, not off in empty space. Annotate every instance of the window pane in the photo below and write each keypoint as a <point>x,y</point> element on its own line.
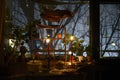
<point>109,30</point>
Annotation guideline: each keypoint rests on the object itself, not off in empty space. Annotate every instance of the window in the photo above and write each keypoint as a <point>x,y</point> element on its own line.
<point>109,30</point>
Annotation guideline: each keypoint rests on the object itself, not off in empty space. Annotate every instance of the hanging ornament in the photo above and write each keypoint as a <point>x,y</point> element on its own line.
<point>59,35</point>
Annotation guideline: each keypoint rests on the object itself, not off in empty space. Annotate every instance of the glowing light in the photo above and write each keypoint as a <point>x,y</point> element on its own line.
<point>59,36</point>
<point>69,63</point>
<point>72,38</point>
<point>27,5</point>
<point>12,42</point>
<point>70,52</point>
<point>113,44</point>
<point>47,40</point>
<point>48,35</point>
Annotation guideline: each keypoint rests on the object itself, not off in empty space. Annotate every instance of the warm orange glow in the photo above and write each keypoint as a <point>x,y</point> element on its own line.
<point>59,36</point>
<point>69,63</point>
<point>47,40</point>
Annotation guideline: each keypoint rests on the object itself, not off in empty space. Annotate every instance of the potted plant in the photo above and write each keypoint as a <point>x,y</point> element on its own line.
<point>78,47</point>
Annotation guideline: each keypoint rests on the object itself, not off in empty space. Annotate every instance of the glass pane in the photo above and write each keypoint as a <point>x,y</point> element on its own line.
<point>109,30</point>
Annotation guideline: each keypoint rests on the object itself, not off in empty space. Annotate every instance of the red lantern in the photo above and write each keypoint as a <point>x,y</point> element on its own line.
<point>59,36</point>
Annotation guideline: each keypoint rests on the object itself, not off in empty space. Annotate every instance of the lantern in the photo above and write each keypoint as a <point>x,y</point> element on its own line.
<point>59,35</point>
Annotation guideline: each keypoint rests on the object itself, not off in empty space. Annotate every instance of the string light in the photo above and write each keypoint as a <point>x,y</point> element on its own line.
<point>113,44</point>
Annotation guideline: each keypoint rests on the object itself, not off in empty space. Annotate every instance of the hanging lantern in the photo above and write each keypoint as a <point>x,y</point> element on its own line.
<point>59,35</point>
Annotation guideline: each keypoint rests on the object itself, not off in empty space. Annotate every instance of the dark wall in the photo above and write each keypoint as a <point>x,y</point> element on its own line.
<point>2,20</point>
